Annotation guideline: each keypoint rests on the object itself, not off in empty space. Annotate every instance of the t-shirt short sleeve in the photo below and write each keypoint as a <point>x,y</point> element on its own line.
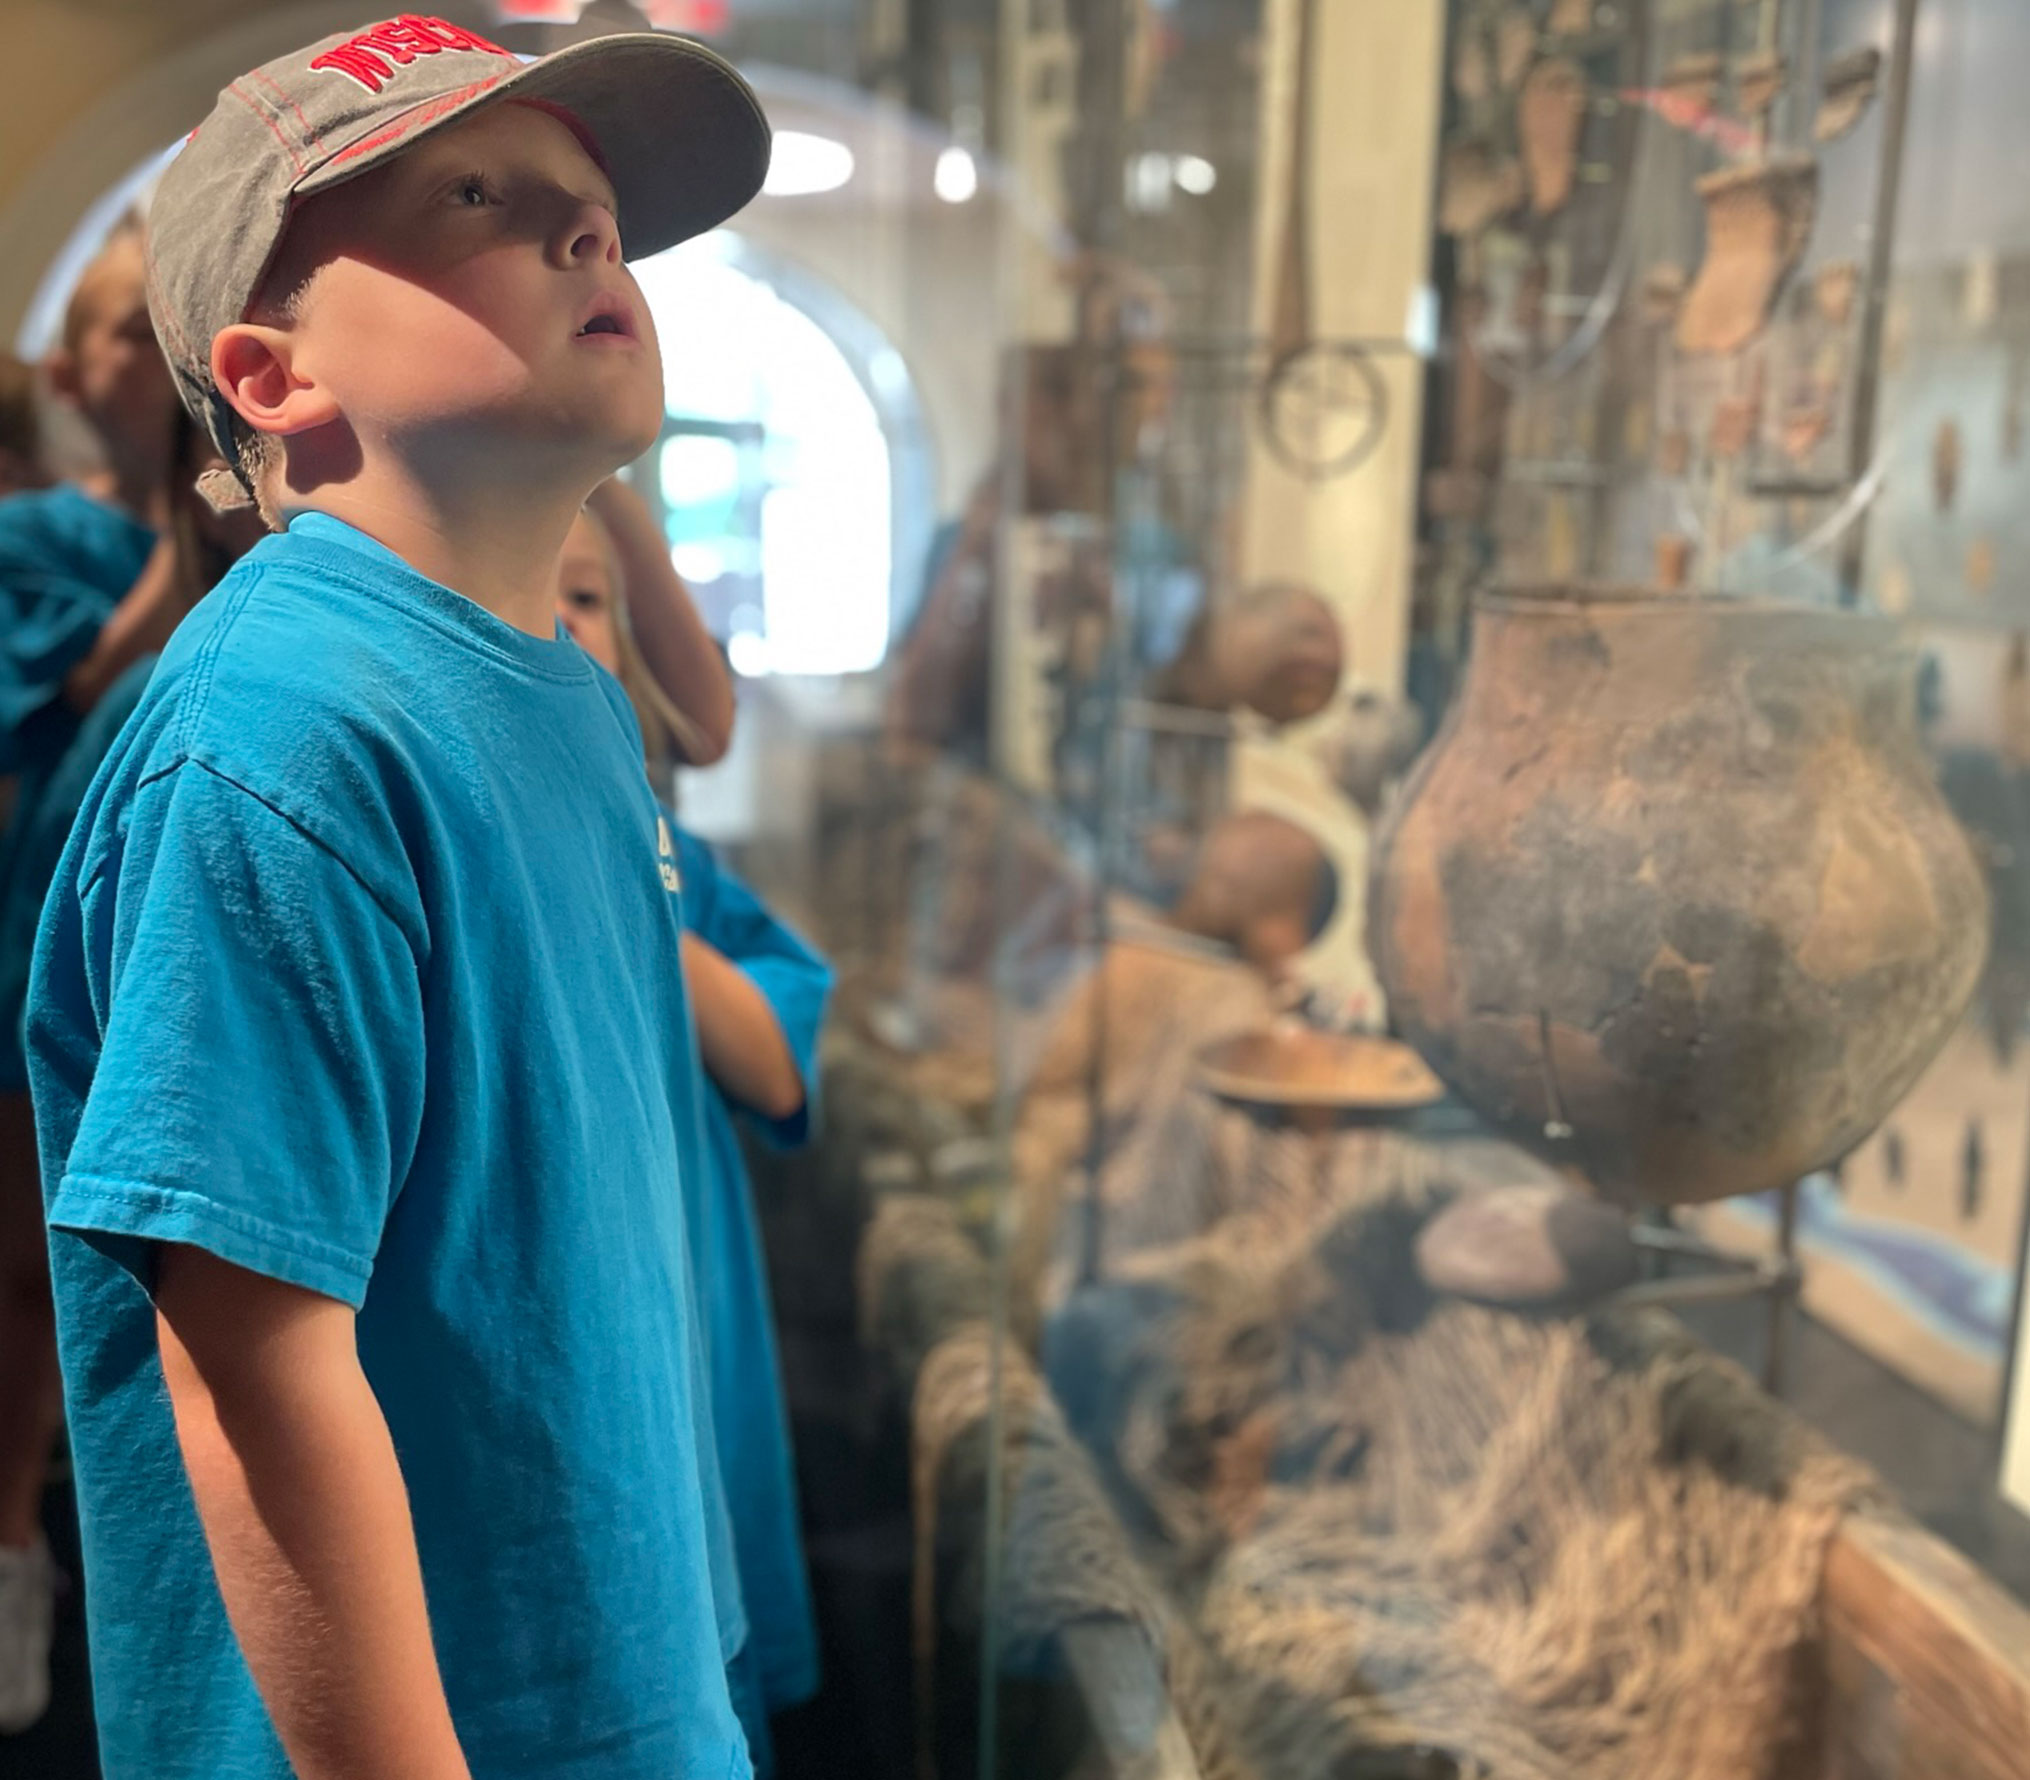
<point>797,981</point>
<point>259,1084</point>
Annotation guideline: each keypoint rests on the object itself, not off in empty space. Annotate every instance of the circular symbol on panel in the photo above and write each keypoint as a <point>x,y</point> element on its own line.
<point>1323,409</point>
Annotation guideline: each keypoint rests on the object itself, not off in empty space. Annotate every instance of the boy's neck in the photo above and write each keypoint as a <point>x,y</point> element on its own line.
<point>499,553</point>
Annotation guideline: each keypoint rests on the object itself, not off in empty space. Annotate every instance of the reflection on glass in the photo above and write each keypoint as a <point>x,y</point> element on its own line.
<point>774,468</point>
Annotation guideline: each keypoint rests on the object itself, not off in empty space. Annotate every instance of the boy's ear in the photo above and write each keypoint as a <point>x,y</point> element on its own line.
<point>255,370</point>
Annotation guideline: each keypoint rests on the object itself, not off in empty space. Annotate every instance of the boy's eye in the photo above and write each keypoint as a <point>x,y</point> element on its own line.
<point>474,192</point>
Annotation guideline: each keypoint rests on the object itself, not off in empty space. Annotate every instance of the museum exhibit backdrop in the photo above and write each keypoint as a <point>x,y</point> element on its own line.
<point>1675,357</point>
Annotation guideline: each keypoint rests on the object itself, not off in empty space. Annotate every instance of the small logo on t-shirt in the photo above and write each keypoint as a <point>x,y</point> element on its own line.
<point>666,849</point>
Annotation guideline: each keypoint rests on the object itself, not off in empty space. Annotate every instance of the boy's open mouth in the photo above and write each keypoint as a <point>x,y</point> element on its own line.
<point>609,316</point>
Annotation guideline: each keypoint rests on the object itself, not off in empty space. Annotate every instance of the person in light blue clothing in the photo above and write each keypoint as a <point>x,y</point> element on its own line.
<point>357,1026</point>
<point>758,995</point>
<point>93,576</point>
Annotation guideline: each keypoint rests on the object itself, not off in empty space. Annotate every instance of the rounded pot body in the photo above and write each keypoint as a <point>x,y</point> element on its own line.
<point>1673,897</point>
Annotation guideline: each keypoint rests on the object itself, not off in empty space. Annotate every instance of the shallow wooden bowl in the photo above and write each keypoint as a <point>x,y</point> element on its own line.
<point>1300,1067</point>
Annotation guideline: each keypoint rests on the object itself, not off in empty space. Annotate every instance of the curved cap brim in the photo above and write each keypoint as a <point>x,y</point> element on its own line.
<point>682,136</point>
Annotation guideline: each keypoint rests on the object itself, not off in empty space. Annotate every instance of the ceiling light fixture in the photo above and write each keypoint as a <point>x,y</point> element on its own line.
<point>801,165</point>
<point>695,18</point>
<point>956,178</point>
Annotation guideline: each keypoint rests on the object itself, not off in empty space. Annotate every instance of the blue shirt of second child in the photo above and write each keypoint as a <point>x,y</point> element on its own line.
<point>748,1412</point>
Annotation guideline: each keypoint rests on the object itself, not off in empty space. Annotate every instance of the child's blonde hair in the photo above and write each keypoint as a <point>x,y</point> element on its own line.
<point>668,737</point>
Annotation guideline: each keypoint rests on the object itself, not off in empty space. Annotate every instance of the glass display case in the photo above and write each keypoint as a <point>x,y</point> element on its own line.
<point>1389,646</point>
<point>1425,865</point>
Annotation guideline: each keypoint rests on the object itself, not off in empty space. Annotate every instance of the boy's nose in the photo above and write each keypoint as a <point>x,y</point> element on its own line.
<point>589,233</point>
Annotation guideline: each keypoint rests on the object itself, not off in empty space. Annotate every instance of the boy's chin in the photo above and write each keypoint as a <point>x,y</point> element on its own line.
<point>615,435</point>
<point>587,451</point>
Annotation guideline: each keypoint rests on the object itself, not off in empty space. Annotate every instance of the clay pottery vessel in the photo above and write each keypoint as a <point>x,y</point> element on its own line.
<point>1549,117</point>
<point>1694,82</point>
<point>1980,569</point>
<point>1848,86</point>
<point>1475,188</point>
<point>1735,420</point>
<point>1277,651</point>
<point>1833,288</point>
<point>1472,66</point>
<point>1673,897</point>
<point>1515,42</point>
<point>1758,218</point>
<point>1945,466</point>
<point>1758,80</point>
<point>1805,427</point>
<point>1674,555</point>
<point>1663,294</point>
<point>1371,744</point>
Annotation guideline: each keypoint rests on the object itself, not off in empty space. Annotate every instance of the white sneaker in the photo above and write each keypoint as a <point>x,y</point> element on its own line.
<point>27,1620</point>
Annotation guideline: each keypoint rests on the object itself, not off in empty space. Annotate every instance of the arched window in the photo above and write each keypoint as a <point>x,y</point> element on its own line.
<point>791,474</point>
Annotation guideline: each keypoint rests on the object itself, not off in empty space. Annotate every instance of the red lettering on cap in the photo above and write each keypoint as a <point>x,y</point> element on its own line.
<point>372,56</point>
<point>399,43</point>
<point>358,63</point>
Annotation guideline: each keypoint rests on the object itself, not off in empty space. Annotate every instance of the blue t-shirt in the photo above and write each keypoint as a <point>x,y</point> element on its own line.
<point>361,970</point>
<point>66,560</point>
<point>748,1412</point>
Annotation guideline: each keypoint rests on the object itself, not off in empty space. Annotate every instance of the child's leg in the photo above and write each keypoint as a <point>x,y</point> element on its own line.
<point>30,1389</point>
<point>30,1405</point>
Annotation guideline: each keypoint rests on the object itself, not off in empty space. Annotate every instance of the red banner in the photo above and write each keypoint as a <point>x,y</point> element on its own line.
<point>695,18</point>
<point>536,12</point>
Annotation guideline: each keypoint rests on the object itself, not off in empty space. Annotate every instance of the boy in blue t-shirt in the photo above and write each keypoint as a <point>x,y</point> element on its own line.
<point>363,1167</point>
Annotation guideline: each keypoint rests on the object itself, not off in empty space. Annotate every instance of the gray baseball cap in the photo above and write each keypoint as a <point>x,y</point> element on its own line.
<point>680,134</point>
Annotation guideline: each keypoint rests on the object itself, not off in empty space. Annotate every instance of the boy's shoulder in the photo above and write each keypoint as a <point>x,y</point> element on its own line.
<point>285,684</point>
<point>279,644</point>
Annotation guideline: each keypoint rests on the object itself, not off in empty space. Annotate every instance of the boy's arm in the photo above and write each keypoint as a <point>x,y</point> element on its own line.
<point>739,1036</point>
<point>303,1505</point>
<point>675,645</point>
<point>137,626</point>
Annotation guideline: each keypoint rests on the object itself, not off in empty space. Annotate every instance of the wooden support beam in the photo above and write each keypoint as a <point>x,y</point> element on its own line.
<point>1927,1661</point>
<point>1121,1679</point>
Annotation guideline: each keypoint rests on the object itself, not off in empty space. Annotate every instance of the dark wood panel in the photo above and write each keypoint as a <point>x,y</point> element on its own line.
<point>1928,1662</point>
